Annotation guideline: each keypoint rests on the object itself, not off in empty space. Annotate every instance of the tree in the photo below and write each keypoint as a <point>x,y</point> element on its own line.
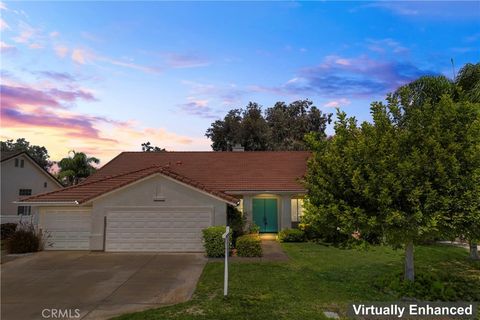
<point>76,167</point>
<point>147,147</point>
<point>468,79</point>
<point>281,127</point>
<point>466,205</point>
<point>39,154</point>
<point>395,176</point>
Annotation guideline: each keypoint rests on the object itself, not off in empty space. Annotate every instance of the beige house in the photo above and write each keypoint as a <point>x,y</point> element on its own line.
<point>160,201</point>
<point>21,176</point>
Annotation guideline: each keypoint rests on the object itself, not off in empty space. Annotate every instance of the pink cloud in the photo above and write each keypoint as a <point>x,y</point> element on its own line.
<point>337,103</point>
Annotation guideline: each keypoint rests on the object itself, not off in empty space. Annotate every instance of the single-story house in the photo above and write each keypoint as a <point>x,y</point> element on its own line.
<point>160,201</point>
<point>21,176</point>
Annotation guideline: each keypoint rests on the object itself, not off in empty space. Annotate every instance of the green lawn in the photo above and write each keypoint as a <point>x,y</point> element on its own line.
<point>317,278</point>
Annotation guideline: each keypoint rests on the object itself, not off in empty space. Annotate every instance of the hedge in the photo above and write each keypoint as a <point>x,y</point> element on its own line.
<point>249,245</point>
<point>213,242</point>
<point>291,235</point>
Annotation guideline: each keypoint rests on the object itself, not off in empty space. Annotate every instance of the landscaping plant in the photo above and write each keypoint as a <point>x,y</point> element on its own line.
<point>25,239</point>
<point>291,235</point>
<point>213,242</point>
<point>249,245</point>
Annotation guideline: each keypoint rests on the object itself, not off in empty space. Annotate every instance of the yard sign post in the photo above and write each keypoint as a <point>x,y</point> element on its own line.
<point>225,280</point>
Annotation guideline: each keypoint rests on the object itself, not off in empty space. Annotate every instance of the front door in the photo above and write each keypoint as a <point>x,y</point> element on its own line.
<point>265,214</point>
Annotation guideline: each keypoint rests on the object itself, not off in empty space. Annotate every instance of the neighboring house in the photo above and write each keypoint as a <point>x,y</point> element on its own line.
<point>160,201</point>
<point>21,176</point>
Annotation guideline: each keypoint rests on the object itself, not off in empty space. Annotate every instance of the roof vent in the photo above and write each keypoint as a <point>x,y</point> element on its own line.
<point>238,148</point>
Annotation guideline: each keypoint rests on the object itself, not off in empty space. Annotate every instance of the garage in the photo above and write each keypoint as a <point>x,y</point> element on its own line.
<point>166,229</point>
<point>66,229</point>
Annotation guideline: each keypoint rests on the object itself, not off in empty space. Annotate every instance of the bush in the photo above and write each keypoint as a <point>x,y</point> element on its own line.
<point>7,229</point>
<point>24,239</point>
<point>311,233</point>
<point>291,235</point>
<point>236,220</point>
<point>249,245</point>
<point>213,241</point>
<point>253,228</point>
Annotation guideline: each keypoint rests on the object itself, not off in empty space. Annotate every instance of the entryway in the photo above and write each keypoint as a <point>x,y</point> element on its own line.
<point>265,214</point>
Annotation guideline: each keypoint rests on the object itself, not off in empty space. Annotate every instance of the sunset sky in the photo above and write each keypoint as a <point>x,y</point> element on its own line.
<point>103,77</point>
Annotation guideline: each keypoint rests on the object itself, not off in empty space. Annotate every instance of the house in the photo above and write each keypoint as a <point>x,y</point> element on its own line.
<point>160,201</point>
<point>21,176</point>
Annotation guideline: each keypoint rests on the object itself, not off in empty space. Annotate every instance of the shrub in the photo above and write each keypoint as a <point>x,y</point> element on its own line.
<point>213,242</point>
<point>249,245</point>
<point>236,220</point>
<point>7,229</point>
<point>291,235</point>
<point>311,233</point>
<point>24,239</point>
<point>253,228</point>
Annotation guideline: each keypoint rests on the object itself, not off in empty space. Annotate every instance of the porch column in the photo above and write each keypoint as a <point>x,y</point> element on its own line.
<point>247,208</point>
<point>285,214</point>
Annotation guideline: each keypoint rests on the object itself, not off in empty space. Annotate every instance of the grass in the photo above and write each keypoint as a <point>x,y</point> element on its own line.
<point>316,279</point>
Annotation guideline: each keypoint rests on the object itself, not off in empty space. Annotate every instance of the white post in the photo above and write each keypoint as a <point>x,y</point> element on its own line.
<point>225,280</point>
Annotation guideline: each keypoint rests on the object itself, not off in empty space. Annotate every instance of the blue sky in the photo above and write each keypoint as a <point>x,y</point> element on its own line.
<point>103,77</point>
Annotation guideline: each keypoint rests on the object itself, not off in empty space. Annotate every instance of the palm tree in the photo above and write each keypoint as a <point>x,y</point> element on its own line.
<point>75,167</point>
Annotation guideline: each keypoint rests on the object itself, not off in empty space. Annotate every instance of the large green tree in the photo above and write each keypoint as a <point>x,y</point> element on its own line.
<point>40,154</point>
<point>468,79</point>
<point>75,167</point>
<point>281,127</point>
<point>396,176</point>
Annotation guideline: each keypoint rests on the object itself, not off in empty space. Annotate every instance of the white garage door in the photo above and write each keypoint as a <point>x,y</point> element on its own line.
<point>66,230</point>
<point>172,229</point>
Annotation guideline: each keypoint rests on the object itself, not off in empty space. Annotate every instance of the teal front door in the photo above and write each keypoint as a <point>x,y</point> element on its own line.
<point>265,214</point>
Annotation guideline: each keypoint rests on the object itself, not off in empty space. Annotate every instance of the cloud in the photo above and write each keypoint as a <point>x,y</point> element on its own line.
<point>54,34</point>
<point>6,48</point>
<point>337,103</point>
<point>57,76</point>
<point>27,33</point>
<point>356,77</point>
<point>3,25</point>
<point>43,116</point>
<point>14,96</point>
<point>81,56</point>
<point>458,10</point>
<point>198,107</point>
<point>61,51</point>
<point>385,45</point>
<point>176,60</point>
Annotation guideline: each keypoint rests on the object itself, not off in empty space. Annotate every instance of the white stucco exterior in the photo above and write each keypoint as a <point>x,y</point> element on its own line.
<point>14,178</point>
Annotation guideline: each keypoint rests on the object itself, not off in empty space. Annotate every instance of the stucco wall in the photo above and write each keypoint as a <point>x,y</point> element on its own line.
<point>15,178</point>
<point>143,194</point>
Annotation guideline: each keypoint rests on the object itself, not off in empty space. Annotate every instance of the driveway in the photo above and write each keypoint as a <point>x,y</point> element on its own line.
<point>84,285</point>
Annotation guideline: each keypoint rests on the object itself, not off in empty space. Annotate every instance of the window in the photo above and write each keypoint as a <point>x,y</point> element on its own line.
<point>45,184</point>
<point>297,209</point>
<point>24,210</point>
<point>16,162</point>
<point>22,163</point>
<point>25,192</point>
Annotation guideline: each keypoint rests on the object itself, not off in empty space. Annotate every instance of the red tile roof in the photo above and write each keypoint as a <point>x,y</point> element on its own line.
<point>217,173</point>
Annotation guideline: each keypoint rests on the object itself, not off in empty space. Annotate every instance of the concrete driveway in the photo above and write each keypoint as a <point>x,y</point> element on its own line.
<point>84,285</point>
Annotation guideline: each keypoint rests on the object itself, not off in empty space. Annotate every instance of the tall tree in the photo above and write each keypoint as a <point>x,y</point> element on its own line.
<point>395,176</point>
<point>40,154</point>
<point>281,127</point>
<point>147,147</point>
<point>76,167</point>
<point>468,79</point>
